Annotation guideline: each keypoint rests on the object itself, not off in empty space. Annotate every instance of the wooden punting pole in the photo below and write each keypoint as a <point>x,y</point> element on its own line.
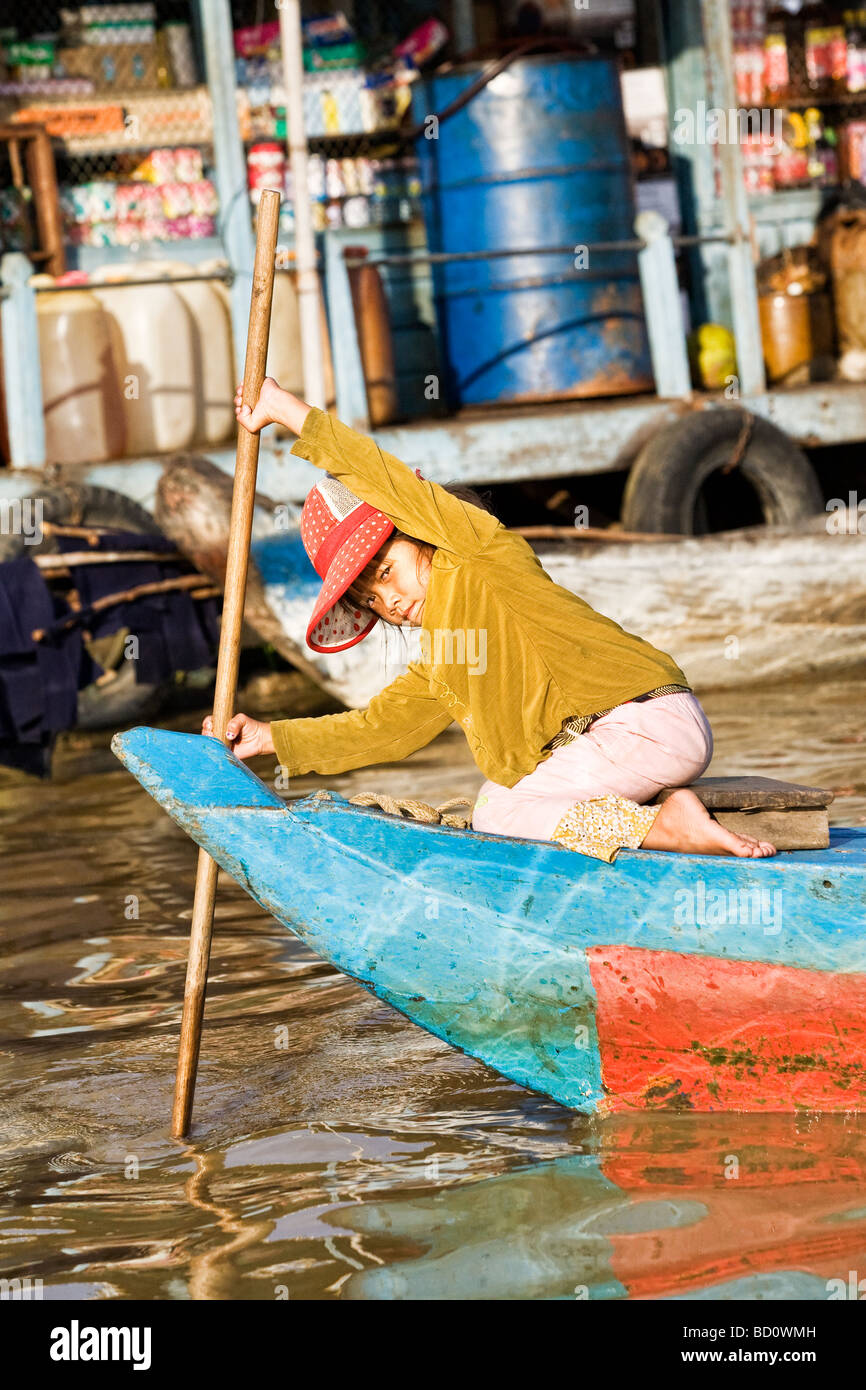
<point>243,502</point>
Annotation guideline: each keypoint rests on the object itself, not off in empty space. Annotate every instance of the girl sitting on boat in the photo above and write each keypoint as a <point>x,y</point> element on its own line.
<point>576,724</point>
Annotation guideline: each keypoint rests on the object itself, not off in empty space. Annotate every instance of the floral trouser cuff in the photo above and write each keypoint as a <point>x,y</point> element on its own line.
<point>604,825</point>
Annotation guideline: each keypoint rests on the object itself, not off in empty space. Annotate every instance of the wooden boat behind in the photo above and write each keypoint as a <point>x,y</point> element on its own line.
<point>733,608</point>
<point>664,981</point>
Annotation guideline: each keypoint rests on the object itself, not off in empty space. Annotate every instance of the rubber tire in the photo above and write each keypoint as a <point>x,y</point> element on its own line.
<point>121,701</point>
<point>81,505</point>
<point>662,491</point>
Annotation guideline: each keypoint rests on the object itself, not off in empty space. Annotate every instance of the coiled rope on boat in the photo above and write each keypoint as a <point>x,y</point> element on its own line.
<point>446,814</point>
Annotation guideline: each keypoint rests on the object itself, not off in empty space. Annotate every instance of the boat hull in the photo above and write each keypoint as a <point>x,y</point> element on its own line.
<point>766,603</point>
<point>663,981</point>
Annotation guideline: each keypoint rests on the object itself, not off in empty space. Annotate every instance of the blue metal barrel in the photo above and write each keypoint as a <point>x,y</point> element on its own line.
<point>539,157</point>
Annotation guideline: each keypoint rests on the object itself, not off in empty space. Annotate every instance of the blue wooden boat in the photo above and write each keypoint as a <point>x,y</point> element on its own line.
<point>663,981</point>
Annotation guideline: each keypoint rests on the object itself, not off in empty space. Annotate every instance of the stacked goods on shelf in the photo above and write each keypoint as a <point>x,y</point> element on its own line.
<point>165,198</point>
<point>109,85</point>
<point>348,192</point>
<point>341,98</point>
<point>788,60</point>
<point>104,125</point>
<point>91,54</point>
<point>341,95</point>
<point>120,47</point>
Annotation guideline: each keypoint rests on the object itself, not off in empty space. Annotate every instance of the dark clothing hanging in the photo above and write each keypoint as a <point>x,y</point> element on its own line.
<point>39,682</point>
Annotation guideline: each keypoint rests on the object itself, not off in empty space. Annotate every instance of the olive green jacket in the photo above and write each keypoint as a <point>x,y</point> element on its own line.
<point>506,652</point>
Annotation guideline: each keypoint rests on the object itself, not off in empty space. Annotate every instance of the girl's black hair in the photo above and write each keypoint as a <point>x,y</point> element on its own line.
<point>358,591</point>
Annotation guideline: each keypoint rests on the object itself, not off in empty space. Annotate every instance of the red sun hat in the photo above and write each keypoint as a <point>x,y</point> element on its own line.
<point>340,534</point>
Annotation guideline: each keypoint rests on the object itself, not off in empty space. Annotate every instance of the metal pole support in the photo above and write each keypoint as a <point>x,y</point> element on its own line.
<point>22,374</point>
<point>741,268</point>
<point>230,164</point>
<point>351,388</point>
<point>661,300</point>
<point>305,244</point>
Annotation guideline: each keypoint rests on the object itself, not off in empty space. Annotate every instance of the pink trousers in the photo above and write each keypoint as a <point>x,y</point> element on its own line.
<point>635,751</point>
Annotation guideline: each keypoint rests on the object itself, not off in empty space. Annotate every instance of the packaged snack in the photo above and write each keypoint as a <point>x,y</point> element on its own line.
<point>356,212</point>
<point>77,199</point>
<point>826,55</point>
<point>159,167</point>
<point>128,231</point>
<point>100,234</point>
<point>335,186</point>
<point>204,199</point>
<point>101,200</point>
<point>326,30</point>
<point>266,167</point>
<point>256,39</point>
<point>129,200</point>
<point>152,228</point>
<point>150,200</point>
<point>181,54</point>
<point>776,71</point>
<point>188,165</point>
<point>176,200</point>
<point>424,42</point>
<point>200,226</point>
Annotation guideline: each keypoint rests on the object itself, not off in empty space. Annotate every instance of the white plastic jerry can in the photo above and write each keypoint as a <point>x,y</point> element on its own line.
<point>153,338</point>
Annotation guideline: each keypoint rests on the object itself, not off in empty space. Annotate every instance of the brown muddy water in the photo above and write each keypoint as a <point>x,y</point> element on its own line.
<point>366,1159</point>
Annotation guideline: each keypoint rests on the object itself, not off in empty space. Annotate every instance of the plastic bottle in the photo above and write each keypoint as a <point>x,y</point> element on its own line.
<point>855,37</point>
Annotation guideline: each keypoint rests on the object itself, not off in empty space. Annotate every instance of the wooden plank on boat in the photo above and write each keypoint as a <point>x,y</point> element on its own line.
<point>802,828</point>
<point>746,793</point>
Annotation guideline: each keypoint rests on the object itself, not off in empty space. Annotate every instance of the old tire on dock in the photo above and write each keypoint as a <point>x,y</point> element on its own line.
<point>677,484</point>
<point>79,504</point>
<point>122,700</point>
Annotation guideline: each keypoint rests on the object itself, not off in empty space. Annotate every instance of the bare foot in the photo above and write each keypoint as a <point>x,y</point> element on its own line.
<point>684,824</point>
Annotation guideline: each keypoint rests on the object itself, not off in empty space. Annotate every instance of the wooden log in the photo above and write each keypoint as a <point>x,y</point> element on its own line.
<point>591,533</point>
<point>104,557</point>
<point>198,583</point>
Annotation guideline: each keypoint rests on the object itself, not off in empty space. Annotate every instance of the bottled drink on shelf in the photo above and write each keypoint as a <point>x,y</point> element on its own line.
<point>823,156</point>
<point>855,45</point>
<point>826,50</point>
<point>748,23</point>
<point>791,163</point>
<point>776,72</point>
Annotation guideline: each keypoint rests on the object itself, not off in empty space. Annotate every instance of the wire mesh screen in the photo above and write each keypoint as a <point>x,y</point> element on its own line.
<point>356,93</point>
<point>120,89</point>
